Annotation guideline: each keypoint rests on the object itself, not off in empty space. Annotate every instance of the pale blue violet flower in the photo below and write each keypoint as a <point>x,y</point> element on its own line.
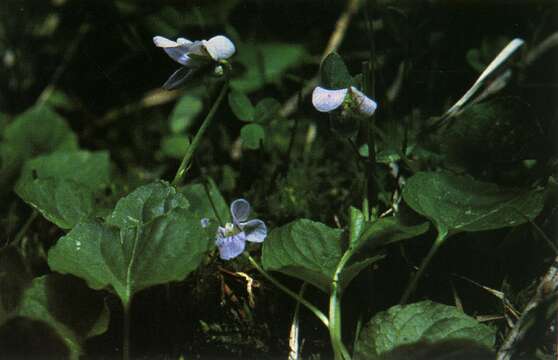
<point>194,55</point>
<point>349,101</point>
<point>231,238</point>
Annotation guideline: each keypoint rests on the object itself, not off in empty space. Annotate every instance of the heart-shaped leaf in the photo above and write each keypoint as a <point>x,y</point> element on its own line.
<point>252,135</point>
<point>241,106</point>
<point>459,203</point>
<point>62,186</point>
<point>334,73</point>
<point>304,249</point>
<point>150,238</point>
<point>422,321</point>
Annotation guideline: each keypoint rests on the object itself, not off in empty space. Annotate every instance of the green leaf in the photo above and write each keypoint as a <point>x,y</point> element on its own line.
<point>267,110</point>
<point>385,231</point>
<point>38,131</point>
<point>304,249</point>
<point>62,186</point>
<point>145,204</point>
<point>241,106</point>
<point>252,135</point>
<point>334,73</point>
<point>175,146</point>
<point>422,321</point>
<point>149,239</point>
<point>90,169</point>
<point>74,311</point>
<point>265,63</point>
<point>459,203</point>
<point>185,112</point>
<point>440,350</point>
<point>62,202</point>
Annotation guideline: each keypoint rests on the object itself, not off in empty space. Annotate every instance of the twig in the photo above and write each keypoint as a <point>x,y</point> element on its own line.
<point>335,40</point>
<point>547,287</point>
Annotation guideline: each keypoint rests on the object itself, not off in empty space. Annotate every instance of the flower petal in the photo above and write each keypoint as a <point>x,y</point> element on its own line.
<point>163,42</point>
<point>240,209</point>
<point>178,54</point>
<point>325,100</point>
<point>366,106</point>
<point>183,41</point>
<point>256,230</point>
<point>231,246</point>
<point>220,47</point>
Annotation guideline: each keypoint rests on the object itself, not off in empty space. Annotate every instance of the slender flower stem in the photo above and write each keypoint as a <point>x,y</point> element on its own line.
<point>442,236</point>
<point>339,349</point>
<point>320,315</point>
<point>197,138</point>
<point>126,331</point>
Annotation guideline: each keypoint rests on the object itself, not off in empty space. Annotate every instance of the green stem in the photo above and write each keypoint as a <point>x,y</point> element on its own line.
<point>335,334</point>
<point>197,138</point>
<point>442,235</point>
<point>126,331</point>
<point>21,233</point>
<point>320,315</point>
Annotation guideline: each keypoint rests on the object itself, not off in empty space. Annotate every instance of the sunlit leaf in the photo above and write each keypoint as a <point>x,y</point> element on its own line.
<point>422,321</point>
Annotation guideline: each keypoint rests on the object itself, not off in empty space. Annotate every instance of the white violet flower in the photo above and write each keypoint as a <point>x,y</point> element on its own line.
<point>351,101</point>
<point>194,55</point>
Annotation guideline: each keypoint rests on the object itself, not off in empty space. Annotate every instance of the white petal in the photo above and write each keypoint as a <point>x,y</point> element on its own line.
<point>325,100</point>
<point>240,209</point>
<point>163,42</point>
<point>255,230</point>
<point>366,106</point>
<point>220,47</point>
<point>183,41</point>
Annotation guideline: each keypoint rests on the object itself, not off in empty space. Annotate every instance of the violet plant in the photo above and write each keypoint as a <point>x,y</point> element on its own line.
<point>120,235</point>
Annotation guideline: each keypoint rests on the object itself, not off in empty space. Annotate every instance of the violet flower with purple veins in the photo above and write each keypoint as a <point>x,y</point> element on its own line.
<point>351,101</point>
<point>231,238</point>
<point>194,55</point>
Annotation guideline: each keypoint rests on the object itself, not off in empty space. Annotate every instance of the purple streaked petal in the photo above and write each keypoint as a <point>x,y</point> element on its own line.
<point>366,106</point>
<point>231,246</point>
<point>178,54</point>
<point>240,209</point>
<point>219,47</point>
<point>256,230</point>
<point>325,100</point>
